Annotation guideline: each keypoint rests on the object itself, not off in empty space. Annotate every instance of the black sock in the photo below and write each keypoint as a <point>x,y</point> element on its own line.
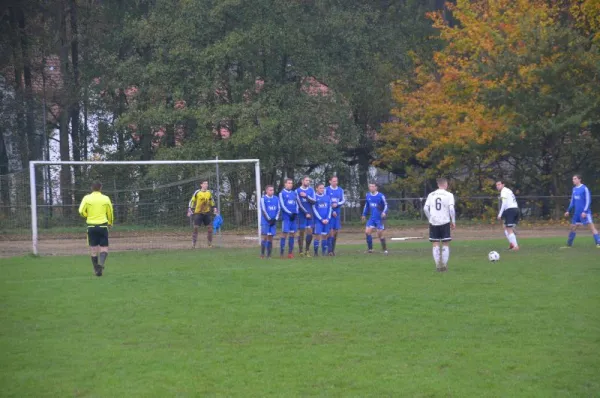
<point>383,245</point>
<point>102,259</point>
<point>95,261</point>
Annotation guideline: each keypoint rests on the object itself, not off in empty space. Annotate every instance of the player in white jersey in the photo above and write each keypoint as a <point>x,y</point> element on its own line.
<point>510,210</point>
<point>439,209</point>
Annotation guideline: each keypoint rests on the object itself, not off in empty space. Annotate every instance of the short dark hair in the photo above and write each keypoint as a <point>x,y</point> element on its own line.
<point>578,176</point>
<point>373,183</point>
<point>96,186</point>
<point>287,179</point>
<point>332,177</point>
<point>441,181</point>
<point>203,181</point>
<point>269,186</point>
<point>501,181</point>
<point>320,184</point>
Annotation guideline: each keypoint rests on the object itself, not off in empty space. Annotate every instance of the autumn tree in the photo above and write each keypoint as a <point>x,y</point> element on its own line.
<point>512,94</point>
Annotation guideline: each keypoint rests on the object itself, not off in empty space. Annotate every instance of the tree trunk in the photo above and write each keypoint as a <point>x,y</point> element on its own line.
<point>74,108</point>
<point>17,53</point>
<point>65,171</point>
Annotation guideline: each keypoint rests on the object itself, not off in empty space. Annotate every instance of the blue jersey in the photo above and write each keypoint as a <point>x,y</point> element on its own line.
<point>269,207</point>
<point>337,196</point>
<point>581,200</point>
<point>322,208</point>
<point>306,203</point>
<point>376,205</point>
<point>288,200</point>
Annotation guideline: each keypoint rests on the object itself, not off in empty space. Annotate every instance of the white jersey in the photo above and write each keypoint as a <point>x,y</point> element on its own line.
<point>507,200</point>
<point>439,207</point>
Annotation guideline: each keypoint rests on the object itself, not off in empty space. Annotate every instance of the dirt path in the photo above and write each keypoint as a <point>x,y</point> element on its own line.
<point>71,244</point>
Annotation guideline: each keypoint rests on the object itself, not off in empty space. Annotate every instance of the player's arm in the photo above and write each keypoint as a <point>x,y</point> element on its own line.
<point>263,208</point>
<point>385,206</point>
<point>83,208</point>
<point>212,204</point>
<point>427,208</point>
<point>300,204</point>
<point>282,204</point>
<point>311,199</point>
<point>571,205</point>
<point>330,211</point>
<point>316,211</point>
<point>502,207</point>
<point>342,200</point>
<point>452,212</point>
<point>192,202</point>
<point>278,215</point>
<point>110,214</point>
<point>365,210</point>
<point>588,200</point>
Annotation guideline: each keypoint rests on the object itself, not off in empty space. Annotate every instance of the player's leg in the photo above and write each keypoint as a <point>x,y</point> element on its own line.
<point>103,243</point>
<point>381,236</point>
<point>93,239</point>
<point>270,241</point>
<point>590,222</point>
<point>317,237</point>
<point>309,236</point>
<point>301,232</point>
<point>209,228</point>
<point>572,233</point>
<point>446,239</point>
<point>512,238</point>
<point>264,230</point>
<point>435,238</point>
<point>369,238</point>
<point>197,221</point>
<point>325,239</point>
<point>330,239</point>
<point>284,236</point>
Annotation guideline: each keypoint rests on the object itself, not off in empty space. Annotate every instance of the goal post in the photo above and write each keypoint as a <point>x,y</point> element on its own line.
<point>165,183</point>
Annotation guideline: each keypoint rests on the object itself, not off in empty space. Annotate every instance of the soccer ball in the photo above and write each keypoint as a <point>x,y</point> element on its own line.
<point>493,256</point>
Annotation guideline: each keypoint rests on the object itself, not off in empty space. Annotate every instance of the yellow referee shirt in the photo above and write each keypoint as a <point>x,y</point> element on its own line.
<point>97,209</point>
<point>202,202</point>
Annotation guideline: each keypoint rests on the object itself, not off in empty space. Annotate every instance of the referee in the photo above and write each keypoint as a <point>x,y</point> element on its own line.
<point>97,209</point>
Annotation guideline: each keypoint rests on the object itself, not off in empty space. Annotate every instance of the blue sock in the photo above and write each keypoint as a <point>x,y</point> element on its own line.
<point>263,246</point>
<point>281,246</point>
<point>571,238</point>
<point>291,244</point>
<point>316,245</point>
<point>369,242</point>
<point>269,247</point>
<point>597,239</point>
<point>325,245</point>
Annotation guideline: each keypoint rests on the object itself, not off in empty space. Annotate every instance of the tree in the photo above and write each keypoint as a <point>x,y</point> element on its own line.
<point>510,95</point>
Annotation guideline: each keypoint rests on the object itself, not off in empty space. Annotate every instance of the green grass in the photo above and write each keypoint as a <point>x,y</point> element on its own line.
<point>224,323</point>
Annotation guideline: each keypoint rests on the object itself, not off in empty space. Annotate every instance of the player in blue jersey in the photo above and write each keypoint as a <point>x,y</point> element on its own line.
<point>323,212</point>
<point>337,201</point>
<point>288,202</point>
<point>375,204</point>
<point>269,207</point>
<point>581,205</point>
<point>306,200</point>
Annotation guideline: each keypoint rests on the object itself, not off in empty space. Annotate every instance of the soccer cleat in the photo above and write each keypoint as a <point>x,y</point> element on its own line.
<point>210,246</point>
<point>511,246</point>
<point>566,247</point>
<point>598,246</point>
<point>385,252</point>
<point>515,249</point>
<point>291,255</point>
<point>262,256</point>
<point>370,251</point>
<point>330,254</point>
<point>307,254</point>
<point>301,254</point>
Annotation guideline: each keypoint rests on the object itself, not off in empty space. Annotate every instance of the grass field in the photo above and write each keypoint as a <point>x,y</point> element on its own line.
<point>225,323</point>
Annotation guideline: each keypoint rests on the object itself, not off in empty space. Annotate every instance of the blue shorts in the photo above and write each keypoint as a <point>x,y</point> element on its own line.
<point>582,221</point>
<point>304,222</point>
<point>321,229</point>
<point>287,225</point>
<point>335,223</point>
<point>266,229</point>
<point>377,224</point>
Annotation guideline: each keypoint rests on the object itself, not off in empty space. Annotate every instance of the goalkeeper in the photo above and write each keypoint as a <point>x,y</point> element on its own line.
<point>201,208</point>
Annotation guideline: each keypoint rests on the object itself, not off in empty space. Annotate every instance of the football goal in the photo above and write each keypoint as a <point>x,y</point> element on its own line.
<point>150,201</point>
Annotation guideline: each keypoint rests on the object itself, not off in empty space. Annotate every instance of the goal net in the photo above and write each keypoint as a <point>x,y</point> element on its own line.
<point>150,202</point>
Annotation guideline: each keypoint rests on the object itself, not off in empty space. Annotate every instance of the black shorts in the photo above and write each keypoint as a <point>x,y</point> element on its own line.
<point>97,235</point>
<point>439,233</point>
<point>511,217</point>
<point>202,219</point>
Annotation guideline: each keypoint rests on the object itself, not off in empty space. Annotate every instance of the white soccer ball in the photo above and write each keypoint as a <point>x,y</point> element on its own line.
<point>493,256</point>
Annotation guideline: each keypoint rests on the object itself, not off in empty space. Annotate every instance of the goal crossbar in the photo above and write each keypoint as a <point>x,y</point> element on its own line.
<point>217,161</point>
